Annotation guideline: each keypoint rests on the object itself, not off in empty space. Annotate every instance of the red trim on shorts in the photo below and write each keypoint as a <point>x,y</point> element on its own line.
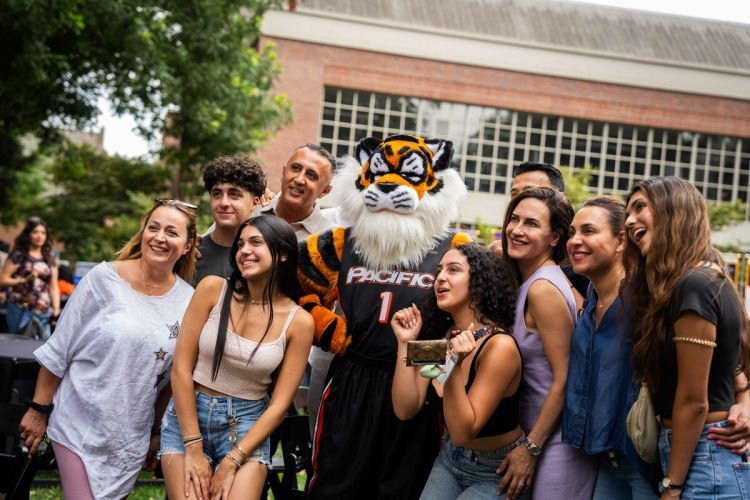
<point>318,432</point>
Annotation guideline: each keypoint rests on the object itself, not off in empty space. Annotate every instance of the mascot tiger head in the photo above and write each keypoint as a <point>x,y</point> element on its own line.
<point>400,194</point>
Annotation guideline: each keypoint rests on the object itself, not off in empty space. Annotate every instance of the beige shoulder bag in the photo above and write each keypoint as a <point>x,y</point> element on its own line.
<point>643,428</point>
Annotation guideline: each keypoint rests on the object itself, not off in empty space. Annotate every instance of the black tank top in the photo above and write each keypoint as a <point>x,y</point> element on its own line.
<point>505,417</point>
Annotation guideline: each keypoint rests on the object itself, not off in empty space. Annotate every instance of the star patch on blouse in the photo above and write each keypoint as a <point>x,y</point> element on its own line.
<point>160,354</point>
<point>174,330</point>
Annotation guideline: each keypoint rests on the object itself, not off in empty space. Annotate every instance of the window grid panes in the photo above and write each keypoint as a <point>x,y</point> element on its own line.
<point>489,141</point>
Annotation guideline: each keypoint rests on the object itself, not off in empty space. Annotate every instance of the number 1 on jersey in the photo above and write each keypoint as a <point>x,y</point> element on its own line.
<point>385,307</point>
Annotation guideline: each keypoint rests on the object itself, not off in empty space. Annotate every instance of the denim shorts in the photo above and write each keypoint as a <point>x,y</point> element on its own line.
<point>223,422</point>
<point>466,474</point>
<point>715,472</point>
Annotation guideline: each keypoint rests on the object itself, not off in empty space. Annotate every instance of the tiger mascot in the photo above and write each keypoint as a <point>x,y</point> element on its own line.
<point>400,195</point>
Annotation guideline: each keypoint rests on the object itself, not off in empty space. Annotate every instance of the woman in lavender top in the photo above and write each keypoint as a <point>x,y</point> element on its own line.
<point>534,236</point>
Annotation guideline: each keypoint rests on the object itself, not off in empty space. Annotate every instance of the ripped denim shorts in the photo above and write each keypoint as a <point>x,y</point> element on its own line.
<point>223,422</point>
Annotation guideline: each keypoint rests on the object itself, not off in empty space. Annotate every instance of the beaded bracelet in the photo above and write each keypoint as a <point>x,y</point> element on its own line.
<point>234,460</point>
<point>481,332</point>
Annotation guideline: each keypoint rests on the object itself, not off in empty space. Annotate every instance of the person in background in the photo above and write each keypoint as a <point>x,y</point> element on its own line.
<point>104,377</point>
<point>531,174</point>
<point>65,279</point>
<point>534,236</point>
<point>30,272</point>
<point>690,340</point>
<point>234,185</point>
<point>306,178</point>
<point>472,306</point>
<point>241,340</point>
<point>4,249</point>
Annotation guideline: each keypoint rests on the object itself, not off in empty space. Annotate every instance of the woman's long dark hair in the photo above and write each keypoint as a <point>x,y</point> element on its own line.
<point>680,242</point>
<point>492,294</point>
<point>282,244</point>
<point>23,241</point>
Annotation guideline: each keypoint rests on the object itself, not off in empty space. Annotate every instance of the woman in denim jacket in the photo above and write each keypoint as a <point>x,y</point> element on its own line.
<point>600,388</point>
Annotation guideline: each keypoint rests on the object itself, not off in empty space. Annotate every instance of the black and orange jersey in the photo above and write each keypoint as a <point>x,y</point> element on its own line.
<point>370,297</point>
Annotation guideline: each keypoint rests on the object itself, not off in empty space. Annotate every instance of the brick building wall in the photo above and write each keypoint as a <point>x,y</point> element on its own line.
<point>308,68</point>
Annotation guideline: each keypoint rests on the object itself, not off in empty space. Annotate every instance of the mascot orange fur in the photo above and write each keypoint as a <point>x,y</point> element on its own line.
<point>400,194</point>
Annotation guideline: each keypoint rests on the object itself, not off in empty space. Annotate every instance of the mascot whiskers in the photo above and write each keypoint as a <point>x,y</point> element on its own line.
<point>400,195</point>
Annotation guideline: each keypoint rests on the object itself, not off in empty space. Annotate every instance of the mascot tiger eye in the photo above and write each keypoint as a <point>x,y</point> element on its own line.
<point>400,195</point>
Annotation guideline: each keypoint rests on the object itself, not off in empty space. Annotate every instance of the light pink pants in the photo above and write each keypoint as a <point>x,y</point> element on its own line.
<point>75,483</point>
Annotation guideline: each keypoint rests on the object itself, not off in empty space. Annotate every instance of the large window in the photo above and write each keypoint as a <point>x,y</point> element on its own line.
<point>489,141</point>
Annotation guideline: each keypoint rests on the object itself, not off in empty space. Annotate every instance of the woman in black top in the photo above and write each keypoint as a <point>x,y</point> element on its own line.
<point>472,305</point>
<point>690,336</point>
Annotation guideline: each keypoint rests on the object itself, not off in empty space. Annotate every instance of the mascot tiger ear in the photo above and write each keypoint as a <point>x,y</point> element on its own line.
<point>366,148</point>
<point>442,152</point>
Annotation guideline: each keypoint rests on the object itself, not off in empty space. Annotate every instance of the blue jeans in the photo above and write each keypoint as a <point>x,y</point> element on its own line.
<point>18,318</point>
<point>620,479</point>
<point>216,418</point>
<point>465,474</point>
<point>715,472</point>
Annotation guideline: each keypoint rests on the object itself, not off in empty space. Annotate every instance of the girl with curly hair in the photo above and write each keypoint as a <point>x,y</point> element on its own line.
<point>472,306</point>
<point>30,272</point>
<point>690,343</point>
<point>535,232</point>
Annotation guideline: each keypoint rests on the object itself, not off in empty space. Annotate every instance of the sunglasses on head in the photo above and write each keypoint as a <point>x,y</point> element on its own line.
<point>176,203</point>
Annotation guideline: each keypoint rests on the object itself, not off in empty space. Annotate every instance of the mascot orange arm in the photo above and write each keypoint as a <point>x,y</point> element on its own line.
<point>318,273</point>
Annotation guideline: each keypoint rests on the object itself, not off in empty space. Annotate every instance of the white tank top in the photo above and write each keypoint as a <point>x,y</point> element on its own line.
<point>238,378</point>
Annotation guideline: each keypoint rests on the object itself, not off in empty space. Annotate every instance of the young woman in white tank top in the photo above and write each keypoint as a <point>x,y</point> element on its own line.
<point>236,337</point>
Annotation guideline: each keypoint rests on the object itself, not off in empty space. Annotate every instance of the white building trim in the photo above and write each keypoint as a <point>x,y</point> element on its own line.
<point>479,50</point>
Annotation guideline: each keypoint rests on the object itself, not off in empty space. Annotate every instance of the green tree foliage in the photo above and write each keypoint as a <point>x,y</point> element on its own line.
<point>725,214</point>
<point>577,184</point>
<point>486,233</point>
<point>192,69</point>
<point>98,200</point>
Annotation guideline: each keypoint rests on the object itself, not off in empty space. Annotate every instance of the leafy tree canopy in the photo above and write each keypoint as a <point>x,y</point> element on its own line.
<point>98,200</point>
<point>191,69</point>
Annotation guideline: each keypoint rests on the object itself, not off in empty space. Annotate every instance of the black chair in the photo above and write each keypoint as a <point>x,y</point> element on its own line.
<point>19,379</point>
<point>293,439</point>
<point>17,469</point>
<point>18,373</point>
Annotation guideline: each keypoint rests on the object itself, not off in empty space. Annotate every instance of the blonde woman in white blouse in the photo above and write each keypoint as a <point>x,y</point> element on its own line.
<point>236,338</point>
<point>107,364</point>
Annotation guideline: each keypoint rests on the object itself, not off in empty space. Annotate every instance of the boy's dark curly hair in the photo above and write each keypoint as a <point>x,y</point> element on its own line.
<point>239,170</point>
<point>492,294</point>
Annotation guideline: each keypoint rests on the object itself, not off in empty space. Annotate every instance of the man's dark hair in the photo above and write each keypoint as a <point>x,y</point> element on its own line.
<point>553,174</point>
<point>322,152</point>
<point>241,171</point>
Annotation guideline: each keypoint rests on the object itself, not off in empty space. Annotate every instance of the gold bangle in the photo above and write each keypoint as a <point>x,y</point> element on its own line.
<point>693,340</point>
<point>243,453</point>
<point>190,438</point>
